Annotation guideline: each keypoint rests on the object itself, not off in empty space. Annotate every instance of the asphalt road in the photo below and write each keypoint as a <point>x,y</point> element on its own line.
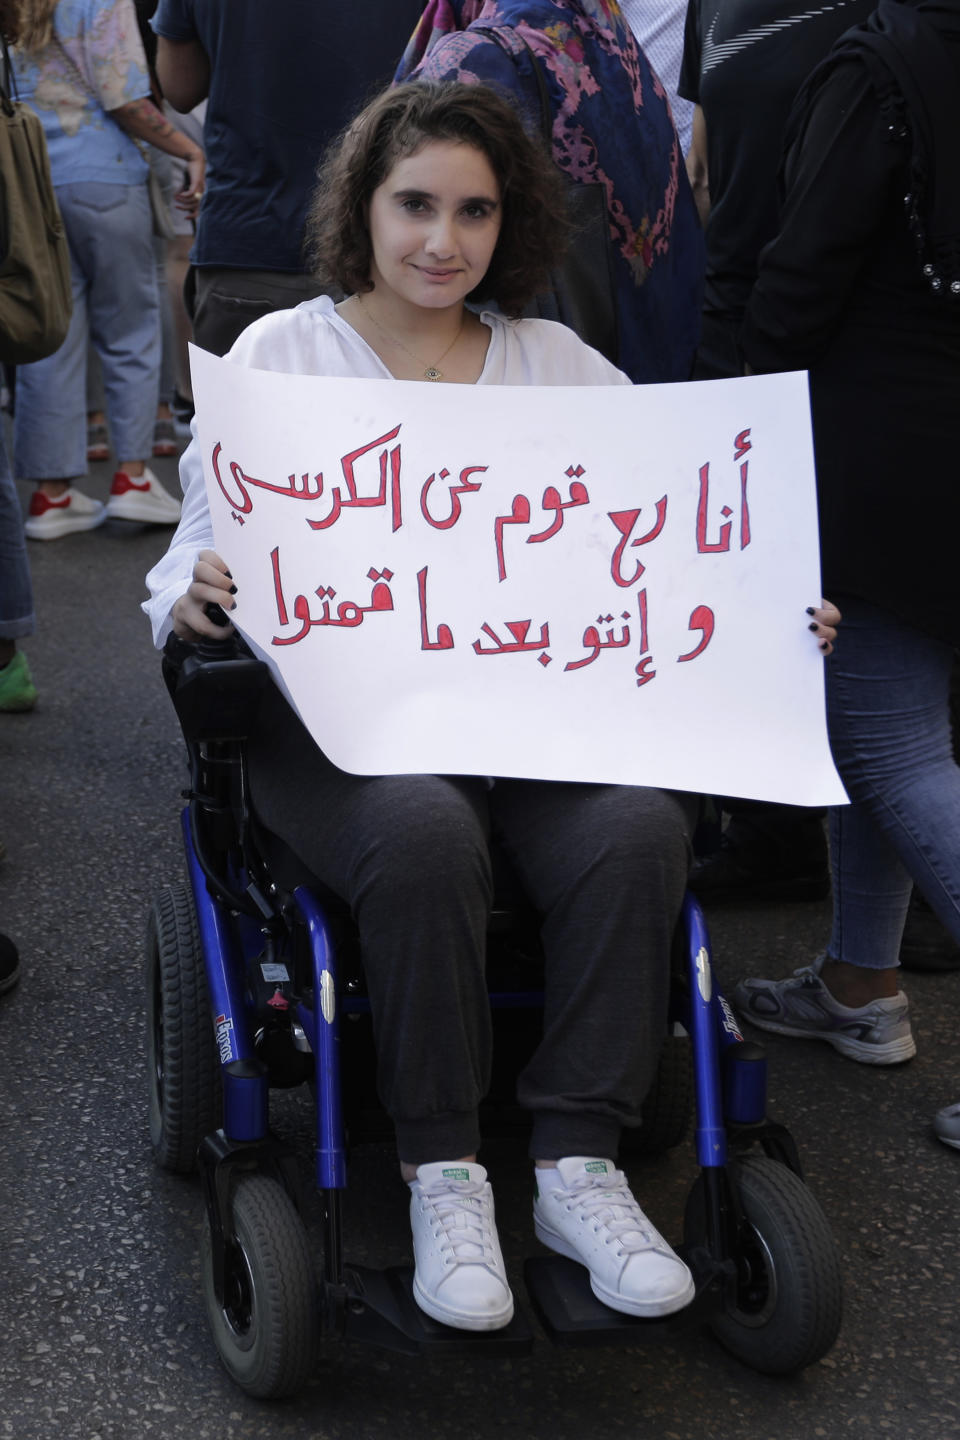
<point>102,1335</point>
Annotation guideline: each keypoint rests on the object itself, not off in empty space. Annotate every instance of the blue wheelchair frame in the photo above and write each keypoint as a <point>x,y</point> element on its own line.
<point>237,913</point>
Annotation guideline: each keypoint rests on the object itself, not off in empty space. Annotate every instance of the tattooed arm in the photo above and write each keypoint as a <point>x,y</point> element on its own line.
<point>142,120</point>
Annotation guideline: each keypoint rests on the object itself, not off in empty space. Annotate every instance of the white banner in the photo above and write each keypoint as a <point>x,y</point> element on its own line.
<point>596,584</point>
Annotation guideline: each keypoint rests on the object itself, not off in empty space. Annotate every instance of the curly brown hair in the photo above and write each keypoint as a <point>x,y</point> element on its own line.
<point>534,227</point>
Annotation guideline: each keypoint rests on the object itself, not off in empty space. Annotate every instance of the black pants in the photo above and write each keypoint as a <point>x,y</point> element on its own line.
<point>605,867</point>
<point>222,302</point>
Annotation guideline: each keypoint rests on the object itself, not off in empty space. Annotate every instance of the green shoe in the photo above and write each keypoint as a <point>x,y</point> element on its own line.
<point>17,690</point>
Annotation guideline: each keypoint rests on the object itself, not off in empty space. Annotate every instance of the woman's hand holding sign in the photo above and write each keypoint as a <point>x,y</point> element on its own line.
<point>212,583</point>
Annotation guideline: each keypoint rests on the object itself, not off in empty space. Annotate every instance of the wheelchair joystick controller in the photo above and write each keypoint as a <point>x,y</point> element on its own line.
<point>218,686</point>
<point>208,648</point>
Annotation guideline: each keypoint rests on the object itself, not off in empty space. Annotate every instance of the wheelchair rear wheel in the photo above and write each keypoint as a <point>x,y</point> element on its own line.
<point>182,1063</point>
<point>266,1327</point>
<point>783,1310</point>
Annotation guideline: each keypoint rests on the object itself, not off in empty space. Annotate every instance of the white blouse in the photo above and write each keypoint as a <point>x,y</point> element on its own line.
<point>314,340</point>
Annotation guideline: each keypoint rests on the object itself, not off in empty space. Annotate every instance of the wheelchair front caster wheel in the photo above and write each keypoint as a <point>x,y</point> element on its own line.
<point>183,1069</point>
<point>782,1310</point>
<point>265,1326</point>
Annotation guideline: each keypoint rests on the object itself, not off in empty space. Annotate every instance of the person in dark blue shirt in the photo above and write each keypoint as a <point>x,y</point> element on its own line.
<point>280,80</point>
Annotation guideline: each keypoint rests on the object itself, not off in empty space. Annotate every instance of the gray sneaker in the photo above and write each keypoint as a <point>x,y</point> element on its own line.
<point>874,1034</point>
<point>946,1123</point>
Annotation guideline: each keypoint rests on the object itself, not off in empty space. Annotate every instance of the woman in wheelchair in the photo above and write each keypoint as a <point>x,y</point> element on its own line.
<point>434,202</point>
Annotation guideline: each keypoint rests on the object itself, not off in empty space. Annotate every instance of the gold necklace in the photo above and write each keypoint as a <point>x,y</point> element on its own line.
<point>431,372</point>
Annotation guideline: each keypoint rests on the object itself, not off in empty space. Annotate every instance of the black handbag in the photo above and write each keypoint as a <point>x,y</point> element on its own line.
<point>36,299</point>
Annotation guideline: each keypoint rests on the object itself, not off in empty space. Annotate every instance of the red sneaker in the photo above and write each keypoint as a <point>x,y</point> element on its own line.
<point>50,519</point>
<point>142,498</point>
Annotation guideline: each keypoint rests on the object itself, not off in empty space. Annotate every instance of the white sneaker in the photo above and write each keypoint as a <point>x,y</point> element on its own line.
<point>878,1033</point>
<point>141,498</point>
<point>946,1123</point>
<point>72,511</point>
<point>460,1278</point>
<point>592,1217</point>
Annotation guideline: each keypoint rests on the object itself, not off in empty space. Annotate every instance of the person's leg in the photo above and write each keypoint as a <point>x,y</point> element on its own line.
<point>927,944</point>
<point>124,313</point>
<point>125,328</point>
<point>164,435</point>
<point>49,420</point>
<point>871,895</point>
<point>50,414</point>
<point>409,854</point>
<point>98,436</point>
<point>888,691</point>
<point>606,868</point>
<point>16,592</point>
<point>888,704</point>
<point>17,691</point>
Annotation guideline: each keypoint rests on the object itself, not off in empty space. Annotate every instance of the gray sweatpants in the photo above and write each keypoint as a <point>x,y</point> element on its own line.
<point>605,867</point>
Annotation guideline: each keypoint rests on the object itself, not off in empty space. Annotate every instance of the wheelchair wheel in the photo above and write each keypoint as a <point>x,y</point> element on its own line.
<point>782,1312</point>
<point>266,1328</point>
<point>182,1063</point>
<point>668,1108</point>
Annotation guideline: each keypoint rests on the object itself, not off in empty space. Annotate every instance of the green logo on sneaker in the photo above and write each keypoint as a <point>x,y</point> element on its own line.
<point>596,1167</point>
<point>456,1174</point>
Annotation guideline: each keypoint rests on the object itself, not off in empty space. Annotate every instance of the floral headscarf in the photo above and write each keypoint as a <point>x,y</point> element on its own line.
<point>611,126</point>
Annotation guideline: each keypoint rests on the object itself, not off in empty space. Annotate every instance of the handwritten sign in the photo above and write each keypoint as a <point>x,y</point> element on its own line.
<point>603,584</point>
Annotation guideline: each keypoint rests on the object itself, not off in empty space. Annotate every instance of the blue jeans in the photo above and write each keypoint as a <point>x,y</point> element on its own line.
<point>888,710</point>
<point>163,167</point>
<point>114,300</point>
<point>16,594</point>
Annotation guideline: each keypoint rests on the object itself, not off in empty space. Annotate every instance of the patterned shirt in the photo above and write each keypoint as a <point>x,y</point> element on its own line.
<point>93,64</point>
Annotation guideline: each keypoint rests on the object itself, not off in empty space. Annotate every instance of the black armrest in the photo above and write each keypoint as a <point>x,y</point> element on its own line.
<point>216,687</point>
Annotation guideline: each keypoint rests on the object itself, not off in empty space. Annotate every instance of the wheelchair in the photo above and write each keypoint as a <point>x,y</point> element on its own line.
<point>253,983</point>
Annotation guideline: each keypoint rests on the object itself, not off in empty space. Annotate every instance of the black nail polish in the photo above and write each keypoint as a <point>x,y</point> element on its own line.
<point>813,625</point>
<point>233,591</point>
<point>810,609</point>
<point>824,644</point>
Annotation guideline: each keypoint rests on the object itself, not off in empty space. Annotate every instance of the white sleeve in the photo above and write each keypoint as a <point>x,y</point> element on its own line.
<point>275,342</point>
<point>171,576</point>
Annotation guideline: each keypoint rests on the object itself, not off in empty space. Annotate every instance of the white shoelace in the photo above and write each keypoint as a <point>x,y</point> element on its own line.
<point>464,1222</point>
<point>608,1202</point>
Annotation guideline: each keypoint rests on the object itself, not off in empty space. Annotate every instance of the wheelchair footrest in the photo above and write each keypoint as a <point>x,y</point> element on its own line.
<point>571,1314</point>
<point>381,1310</point>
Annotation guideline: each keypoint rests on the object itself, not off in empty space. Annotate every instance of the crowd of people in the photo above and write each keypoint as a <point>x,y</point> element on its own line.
<point>775,191</point>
